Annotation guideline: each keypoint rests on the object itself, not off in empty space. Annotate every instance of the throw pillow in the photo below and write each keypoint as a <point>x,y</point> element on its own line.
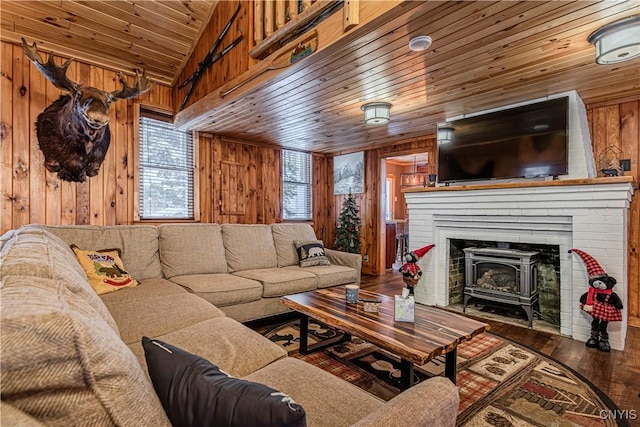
<point>195,392</point>
<point>311,253</point>
<point>104,269</point>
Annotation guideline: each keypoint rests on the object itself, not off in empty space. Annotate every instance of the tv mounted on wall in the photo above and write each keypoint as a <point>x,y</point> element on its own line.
<point>523,142</point>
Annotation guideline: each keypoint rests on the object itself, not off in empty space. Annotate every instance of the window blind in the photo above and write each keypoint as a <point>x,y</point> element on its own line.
<point>166,169</point>
<point>296,177</point>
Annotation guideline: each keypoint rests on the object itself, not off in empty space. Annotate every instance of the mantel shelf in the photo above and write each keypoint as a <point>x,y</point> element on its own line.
<point>555,183</point>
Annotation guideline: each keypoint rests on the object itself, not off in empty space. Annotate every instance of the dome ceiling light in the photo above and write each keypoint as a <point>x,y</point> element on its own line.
<point>376,113</point>
<point>618,41</point>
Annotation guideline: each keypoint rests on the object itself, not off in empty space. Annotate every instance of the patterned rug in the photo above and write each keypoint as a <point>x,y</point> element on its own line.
<point>500,383</point>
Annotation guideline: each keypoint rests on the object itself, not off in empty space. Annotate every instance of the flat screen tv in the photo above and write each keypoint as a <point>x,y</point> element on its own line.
<point>523,142</point>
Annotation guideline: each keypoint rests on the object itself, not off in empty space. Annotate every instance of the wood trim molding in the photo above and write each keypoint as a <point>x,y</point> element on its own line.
<point>557,183</point>
<point>616,101</point>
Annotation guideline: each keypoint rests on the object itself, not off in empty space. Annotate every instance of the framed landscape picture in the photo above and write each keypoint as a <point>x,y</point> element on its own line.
<point>348,173</point>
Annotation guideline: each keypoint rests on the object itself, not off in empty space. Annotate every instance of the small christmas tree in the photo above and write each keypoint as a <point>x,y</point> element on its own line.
<point>348,231</point>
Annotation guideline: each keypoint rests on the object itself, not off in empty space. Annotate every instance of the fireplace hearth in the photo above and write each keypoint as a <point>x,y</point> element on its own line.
<point>505,276</point>
<point>590,214</point>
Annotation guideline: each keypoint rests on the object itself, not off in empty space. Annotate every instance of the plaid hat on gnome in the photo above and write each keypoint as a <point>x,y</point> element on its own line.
<point>410,270</point>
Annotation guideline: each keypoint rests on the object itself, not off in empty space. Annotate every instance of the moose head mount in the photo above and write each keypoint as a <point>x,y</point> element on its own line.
<point>73,132</point>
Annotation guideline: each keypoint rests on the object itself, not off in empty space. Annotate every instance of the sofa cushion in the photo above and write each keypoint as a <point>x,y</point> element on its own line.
<point>34,252</point>
<point>12,416</point>
<point>138,243</point>
<point>311,253</point>
<point>316,390</point>
<point>283,237</point>
<point>265,307</point>
<point>221,289</point>
<point>159,315</point>
<point>62,363</point>
<point>281,281</point>
<point>195,392</point>
<point>104,269</point>
<point>330,275</point>
<point>232,346</point>
<point>148,288</point>
<point>191,249</point>
<point>248,247</point>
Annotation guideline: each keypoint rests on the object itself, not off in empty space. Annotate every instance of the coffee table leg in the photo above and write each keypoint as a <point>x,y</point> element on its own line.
<point>304,333</point>
<point>406,374</point>
<point>450,368</point>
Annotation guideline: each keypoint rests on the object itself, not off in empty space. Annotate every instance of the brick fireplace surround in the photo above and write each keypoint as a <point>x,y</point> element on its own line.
<point>587,214</point>
<point>576,211</point>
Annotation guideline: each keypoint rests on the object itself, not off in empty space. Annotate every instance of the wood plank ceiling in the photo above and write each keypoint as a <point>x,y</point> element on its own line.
<point>484,55</point>
<point>124,35</point>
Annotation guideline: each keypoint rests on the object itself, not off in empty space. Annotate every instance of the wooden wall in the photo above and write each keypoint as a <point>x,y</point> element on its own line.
<point>31,194</point>
<point>370,202</point>
<point>614,123</point>
<point>234,63</point>
<point>615,127</point>
<point>241,183</point>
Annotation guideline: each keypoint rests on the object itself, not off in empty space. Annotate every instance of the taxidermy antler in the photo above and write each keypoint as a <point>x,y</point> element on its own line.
<point>73,132</point>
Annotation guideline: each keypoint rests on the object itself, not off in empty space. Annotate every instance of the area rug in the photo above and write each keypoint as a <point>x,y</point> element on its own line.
<point>500,382</point>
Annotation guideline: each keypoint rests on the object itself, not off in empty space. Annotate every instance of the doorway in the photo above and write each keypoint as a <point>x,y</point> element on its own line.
<point>399,172</point>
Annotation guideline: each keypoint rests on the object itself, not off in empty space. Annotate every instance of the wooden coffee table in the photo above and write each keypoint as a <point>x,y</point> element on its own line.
<point>434,332</point>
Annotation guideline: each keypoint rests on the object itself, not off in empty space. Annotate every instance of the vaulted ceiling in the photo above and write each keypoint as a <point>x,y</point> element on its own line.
<point>484,55</point>
<point>124,35</point>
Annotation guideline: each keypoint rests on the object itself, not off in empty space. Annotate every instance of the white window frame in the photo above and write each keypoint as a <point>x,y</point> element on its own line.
<point>308,184</point>
<point>137,216</point>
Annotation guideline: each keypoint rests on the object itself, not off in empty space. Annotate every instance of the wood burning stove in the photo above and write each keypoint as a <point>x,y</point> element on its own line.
<point>505,276</point>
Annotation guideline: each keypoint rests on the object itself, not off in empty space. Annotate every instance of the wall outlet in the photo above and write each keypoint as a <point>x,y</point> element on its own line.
<point>625,165</point>
<point>366,258</point>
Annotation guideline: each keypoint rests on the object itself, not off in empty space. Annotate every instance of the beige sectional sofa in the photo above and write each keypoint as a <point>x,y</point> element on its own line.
<point>71,357</point>
<point>245,269</point>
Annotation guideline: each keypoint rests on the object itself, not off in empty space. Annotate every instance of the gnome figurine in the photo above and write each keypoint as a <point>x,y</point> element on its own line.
<point>600,302</point>
<point>410,270</point>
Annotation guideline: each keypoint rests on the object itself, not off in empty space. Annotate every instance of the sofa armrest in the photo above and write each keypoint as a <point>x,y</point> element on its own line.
<point>347,259</point>
<point>431,403</point>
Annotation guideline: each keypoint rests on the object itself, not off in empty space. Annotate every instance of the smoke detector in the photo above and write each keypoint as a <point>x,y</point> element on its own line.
<point>420,43</point>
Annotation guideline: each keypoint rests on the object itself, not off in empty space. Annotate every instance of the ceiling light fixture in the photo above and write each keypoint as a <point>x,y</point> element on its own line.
<point>376,113</point>
<point>618,41</point>
<point>420,43</point>
<point>445,134</point>
<point>415,178</point>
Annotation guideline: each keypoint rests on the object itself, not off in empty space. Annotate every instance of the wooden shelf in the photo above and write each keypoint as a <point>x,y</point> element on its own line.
<point>556,183</point>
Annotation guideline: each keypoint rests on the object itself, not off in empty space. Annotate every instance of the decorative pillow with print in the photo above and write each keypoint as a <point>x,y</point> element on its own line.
<point>311,253</point>
<point>195,392</point>
<point>104,269</point>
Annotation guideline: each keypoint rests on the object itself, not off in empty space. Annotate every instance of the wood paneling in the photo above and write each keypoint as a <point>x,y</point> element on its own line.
<point>115,34</point>
<point>31,194</point>
<point>240,181</point>
<point>229,66</point>
<point>617,125</point>
<point>484,55</point>
<point>255,185</point>
<point>370,203</point>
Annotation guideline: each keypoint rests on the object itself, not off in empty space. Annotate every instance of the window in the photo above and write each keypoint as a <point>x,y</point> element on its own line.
<point>166,161</point>
<point>296,179</point>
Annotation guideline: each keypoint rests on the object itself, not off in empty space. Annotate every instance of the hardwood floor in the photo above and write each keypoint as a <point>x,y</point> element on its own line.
<point>617,373</point>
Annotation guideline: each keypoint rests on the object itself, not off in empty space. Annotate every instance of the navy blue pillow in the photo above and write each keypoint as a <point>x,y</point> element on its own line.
<point>195,392</point>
